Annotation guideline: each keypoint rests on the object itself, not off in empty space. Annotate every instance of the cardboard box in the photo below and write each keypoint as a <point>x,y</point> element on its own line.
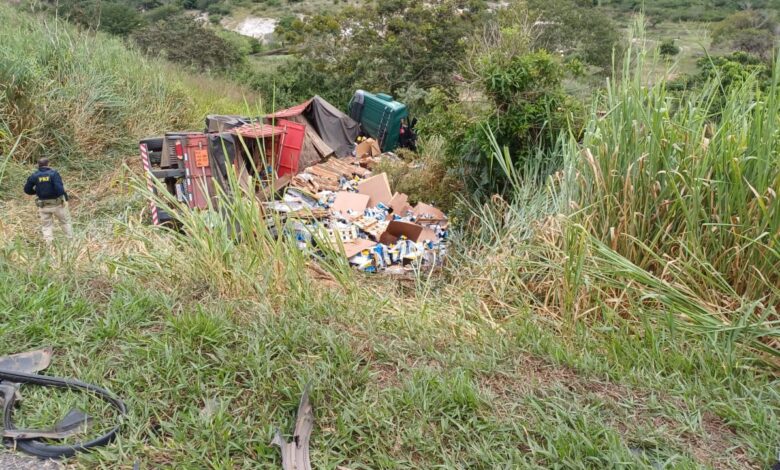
<point>400,204</point>
<point>356,246</point>
<point>427,212</point>
<point>416,233</point>
<point>350,201</point>
<point>367,148</point>
<point>377,188</point>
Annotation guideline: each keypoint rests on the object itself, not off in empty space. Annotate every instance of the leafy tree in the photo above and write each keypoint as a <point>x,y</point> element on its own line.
<point>514,89</point>
<point>733,69</point>
<point>387,46</point>
<point>181,39</point>
<point>526,108</point>
<point>574,29</point>
<point>162,12</point>
<point>118,18</point>
<point>750,31</point>
<point>726,72</point>
<point>531,108</point>
<point>289,30</point>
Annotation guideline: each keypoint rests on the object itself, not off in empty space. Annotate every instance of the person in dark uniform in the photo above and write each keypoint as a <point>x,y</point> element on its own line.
<point>52,200</point>
<point>408,137</point>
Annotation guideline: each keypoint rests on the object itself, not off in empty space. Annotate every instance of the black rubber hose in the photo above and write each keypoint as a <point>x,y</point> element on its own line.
<point>39,449</point>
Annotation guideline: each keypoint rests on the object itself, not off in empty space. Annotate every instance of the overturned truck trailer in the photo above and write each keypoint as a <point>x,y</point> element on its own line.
<point>192,164</point>
<point>286,142</point>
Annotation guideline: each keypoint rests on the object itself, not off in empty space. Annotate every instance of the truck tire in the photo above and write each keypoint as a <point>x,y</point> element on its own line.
<point>153,144</point>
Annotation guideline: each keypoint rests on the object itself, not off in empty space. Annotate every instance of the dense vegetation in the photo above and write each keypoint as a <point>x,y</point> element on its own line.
<point>689,10</point>
<point>611,295</point>
<point>100,97</point>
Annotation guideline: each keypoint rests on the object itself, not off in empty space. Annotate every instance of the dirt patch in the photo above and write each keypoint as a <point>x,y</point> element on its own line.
<point>99,290</point>
<point>385,376</point>
<point>254,26</point>
<point>713,446</point>
<point>23,462</point>
<point>537,375</point>
<point>716,446</point>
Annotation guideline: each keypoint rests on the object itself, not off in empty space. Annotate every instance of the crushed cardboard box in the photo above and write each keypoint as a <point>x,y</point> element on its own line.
<point>377,188</point>
<point>414,232</point>
<point>368,148</point>
<point>399,204</point>
<point>346,201</point>
<point>354,248</point>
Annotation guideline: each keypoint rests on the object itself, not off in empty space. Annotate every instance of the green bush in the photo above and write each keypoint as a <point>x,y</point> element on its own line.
<point>162,12</point>
<point>183,40</point>
<point>668,48</point>
<point>111,16</point>
<point>734,69</point>
<point>730,71</point>
<point>119,18</point>
<point>526,110</point>
<point>218,9</point>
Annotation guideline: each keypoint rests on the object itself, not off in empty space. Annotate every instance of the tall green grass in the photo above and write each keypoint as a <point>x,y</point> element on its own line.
<point>666,211</point>
<point>672,199</point>
<point>679,183</point>
<point>71,93</point>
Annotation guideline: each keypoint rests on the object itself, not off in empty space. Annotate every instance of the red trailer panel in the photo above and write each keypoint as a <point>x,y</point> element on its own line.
<point>292,143</point>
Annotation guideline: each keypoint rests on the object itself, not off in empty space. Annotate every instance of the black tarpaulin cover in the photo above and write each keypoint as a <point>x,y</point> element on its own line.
<point>337,129</point>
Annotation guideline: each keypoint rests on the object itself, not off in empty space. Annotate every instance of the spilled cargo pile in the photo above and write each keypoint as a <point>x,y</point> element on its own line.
<point>342,204</point>
<point>319,161</point>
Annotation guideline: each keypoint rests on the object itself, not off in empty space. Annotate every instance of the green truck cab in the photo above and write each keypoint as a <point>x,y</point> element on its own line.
<point>380,117</point>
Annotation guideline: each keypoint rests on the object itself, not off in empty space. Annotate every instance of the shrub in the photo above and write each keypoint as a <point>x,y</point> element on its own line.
<point>162,12</point>
<point>119,18</point>
<point>751,31</point>
<point>668,48</point>
<point>113,17</point>
<point>181,39</point>
<point>525,107</point>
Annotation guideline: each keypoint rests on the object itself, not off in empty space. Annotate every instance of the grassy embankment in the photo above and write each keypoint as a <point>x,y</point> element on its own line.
<point>539,347</point>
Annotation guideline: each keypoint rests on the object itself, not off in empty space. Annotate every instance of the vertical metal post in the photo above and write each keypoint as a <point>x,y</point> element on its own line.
<point>149,183</point>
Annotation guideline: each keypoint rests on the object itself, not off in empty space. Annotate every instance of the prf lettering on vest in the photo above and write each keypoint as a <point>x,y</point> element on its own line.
<point>43,179</point>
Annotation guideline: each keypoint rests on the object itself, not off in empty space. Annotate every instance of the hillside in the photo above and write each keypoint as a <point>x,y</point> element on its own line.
<point>619,312</point>
<point>259,19</point>
<point>695,10</point>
